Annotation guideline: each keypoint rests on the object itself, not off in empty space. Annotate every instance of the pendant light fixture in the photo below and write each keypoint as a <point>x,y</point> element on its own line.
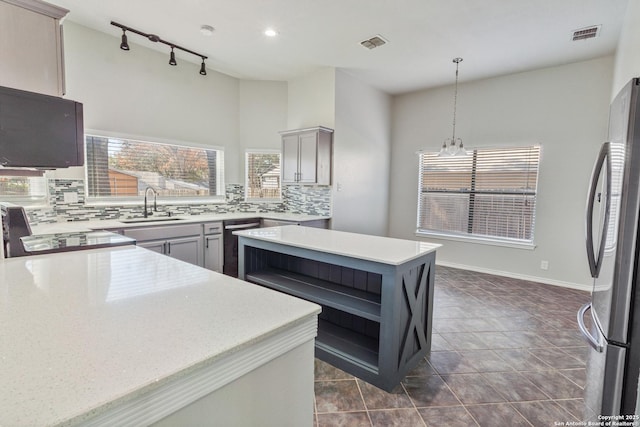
<point>124,45</point>
<point>453,146</point>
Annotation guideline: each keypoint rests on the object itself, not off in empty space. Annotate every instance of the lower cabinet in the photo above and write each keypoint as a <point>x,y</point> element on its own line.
<point>154,245</point>
<point>188,249</point>
<point>213,246</point>
<point>200,244</point>
<point>183,242</point>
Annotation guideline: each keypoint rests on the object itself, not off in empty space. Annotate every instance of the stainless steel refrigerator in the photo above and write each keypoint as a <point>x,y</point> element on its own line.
<point>613,252</point>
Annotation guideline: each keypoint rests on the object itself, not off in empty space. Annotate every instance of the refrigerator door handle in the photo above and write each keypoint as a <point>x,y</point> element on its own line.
<point>597,344</point>
<point>595,263</point>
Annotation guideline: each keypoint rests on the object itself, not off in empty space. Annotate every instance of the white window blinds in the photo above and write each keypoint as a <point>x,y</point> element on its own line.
<point>119,167</point>
<point>262,175</point>
<point>490,193</point>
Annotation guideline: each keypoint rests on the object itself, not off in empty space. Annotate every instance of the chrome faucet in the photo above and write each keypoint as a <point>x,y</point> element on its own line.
<point>155,201</point>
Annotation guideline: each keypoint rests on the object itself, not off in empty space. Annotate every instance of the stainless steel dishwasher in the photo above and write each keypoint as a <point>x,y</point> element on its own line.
<point>230,265</point>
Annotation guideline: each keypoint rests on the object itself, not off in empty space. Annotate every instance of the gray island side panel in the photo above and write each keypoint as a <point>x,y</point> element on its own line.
<point>380,351</point>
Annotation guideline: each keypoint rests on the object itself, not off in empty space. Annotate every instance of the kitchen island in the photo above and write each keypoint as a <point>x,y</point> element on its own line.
<point>124,336</point>
<point>376,293</point>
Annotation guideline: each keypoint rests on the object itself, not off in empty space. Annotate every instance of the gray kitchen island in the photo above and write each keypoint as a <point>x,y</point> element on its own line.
<point>376,293</point>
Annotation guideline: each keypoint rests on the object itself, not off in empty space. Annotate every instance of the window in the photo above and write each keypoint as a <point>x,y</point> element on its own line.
<point>122,168</point>
<point>489,194</point>
<point>263,175</point>
<point>23,188</point>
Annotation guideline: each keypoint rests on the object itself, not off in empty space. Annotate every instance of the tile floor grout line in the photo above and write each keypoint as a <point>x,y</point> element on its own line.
<point>364,402</point>
<point>411,400</point>
<point>522,415</point>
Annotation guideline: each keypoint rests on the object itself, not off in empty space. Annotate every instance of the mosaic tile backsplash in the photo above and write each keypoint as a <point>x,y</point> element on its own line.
<point>297,199</point>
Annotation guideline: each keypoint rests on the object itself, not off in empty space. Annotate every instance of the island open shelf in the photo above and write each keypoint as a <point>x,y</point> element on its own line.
<point>376,315</point>
<point>326,293</point>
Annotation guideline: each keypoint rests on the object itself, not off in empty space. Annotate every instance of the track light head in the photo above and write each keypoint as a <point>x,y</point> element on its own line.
<point>124,45</point>
<point>203,70</point>
<point>172,58</point>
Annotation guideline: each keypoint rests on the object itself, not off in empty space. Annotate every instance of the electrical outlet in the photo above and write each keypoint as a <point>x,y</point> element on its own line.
<point>544,264</point>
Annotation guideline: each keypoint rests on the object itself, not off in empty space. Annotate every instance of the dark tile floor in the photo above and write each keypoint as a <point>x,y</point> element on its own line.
<point>504,352</point>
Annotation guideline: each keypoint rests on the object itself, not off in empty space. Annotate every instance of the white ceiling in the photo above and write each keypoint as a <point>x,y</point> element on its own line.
<point>495,37</point>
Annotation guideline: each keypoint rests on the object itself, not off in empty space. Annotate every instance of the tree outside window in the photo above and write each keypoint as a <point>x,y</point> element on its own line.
<point>262,175</point>
<point>122,167</point>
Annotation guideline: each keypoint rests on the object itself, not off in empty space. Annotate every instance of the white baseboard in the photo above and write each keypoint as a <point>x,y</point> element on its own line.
<point>544,280</point>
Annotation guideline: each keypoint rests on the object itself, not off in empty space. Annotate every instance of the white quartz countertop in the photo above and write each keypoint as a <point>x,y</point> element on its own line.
<point>82,330</point>
<point>110,224</point>
<point>384,250</point>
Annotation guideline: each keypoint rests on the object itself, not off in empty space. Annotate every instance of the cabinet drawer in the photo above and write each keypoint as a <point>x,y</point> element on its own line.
<point>163,232</point>
<point>212,227</point>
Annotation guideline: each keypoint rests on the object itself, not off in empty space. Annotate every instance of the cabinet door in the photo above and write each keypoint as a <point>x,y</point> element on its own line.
<point>289,159</point>
<point>153,245</point>
<point>31,48</point>
<point>308,157</point>
<point>188,249</point>
<point>213,252</point>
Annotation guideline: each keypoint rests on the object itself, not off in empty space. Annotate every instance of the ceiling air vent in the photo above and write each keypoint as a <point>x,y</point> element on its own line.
<point>586,33</point>
<point>373,42</point>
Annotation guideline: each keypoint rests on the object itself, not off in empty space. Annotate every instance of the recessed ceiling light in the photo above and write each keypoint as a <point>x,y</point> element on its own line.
<point>270,32</point>
<point>207,30</point>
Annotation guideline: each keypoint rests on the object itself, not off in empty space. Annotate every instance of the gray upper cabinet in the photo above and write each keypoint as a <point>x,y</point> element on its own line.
<point>306,156</point>
<point>31,46</point>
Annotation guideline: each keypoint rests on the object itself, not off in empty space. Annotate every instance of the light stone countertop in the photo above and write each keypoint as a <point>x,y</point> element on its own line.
<point>385,250</point>
<point>110,224</point>
<point>82,330</point>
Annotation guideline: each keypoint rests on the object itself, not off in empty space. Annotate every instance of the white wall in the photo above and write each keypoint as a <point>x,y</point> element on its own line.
<point>361,157</point>
<point>262,115</point>
<point>311,100</point>
<point>564,109</point>
<point>360,116</point>
<point>627,58</point>
<point>138,93</point>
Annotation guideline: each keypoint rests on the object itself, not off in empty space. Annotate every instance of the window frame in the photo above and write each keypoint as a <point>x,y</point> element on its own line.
<point>246,176</point>
<point>163,200</point>
<point>479,238</point>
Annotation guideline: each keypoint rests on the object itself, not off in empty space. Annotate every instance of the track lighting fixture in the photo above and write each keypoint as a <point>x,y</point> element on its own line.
<point>124,45</point>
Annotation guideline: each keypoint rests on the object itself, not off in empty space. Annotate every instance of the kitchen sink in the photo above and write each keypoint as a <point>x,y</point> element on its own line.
<point>137,220</point>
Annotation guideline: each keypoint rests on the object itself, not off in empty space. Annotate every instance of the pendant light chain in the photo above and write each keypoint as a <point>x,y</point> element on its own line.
<point>450,146</point>
<point>455,98</point>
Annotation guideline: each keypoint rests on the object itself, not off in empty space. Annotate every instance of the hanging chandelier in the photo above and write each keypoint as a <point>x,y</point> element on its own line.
<point>453,146</point>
